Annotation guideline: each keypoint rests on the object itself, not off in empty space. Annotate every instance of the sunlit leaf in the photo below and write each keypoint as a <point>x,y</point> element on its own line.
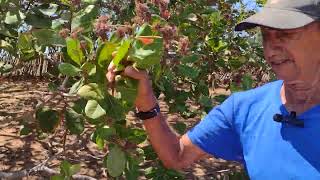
<point>104,53</point>
<point>116,161</point>
<point>92,91</point>
<point>74,121</point>
<point>74,50</point>
<point>68,69</point>
<point>93,110</point>
<point>122,52</point>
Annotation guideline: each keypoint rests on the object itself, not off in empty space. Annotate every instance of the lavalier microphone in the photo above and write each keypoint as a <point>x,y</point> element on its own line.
<point>291,119</point>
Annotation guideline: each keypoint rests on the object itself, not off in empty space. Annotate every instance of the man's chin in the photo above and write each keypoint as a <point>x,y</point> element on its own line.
<point>285,77</point>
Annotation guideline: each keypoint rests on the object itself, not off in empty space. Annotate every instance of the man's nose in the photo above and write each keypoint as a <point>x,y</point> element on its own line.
<point>273,47</point>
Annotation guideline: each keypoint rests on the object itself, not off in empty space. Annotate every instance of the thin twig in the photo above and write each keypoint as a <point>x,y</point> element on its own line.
<point>65,139</point>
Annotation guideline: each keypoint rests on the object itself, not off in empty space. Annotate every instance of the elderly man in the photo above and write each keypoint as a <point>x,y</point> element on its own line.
<point>274,129</point>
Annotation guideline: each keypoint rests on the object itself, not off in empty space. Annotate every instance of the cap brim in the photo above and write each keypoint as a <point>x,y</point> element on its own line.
<point>275,18</point>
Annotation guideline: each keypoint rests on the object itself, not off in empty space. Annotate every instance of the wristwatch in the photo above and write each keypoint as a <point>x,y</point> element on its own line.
<point>148,114</point>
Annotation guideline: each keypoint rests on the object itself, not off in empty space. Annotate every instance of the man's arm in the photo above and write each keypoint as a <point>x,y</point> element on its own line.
<point>175,152</point>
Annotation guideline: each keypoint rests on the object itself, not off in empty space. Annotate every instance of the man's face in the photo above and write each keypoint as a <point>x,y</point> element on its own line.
<point>293,54</point>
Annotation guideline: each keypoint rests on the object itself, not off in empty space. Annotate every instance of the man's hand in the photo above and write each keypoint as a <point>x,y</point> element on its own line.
<point>145,99</point>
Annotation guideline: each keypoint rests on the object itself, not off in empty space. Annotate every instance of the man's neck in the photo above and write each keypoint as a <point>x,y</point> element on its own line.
<point>300,100</point>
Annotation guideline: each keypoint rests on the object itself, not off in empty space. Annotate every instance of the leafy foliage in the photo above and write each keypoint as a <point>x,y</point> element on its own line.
<point>183,44</point>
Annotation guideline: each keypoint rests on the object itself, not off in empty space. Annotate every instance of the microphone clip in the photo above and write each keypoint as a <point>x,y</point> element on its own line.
<point>291,119</point>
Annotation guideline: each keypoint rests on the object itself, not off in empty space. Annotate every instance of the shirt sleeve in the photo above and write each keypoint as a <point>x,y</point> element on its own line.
<point>215,133</point>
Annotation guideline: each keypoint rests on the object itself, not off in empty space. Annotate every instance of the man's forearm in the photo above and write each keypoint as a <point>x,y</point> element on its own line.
<point>164,141</point>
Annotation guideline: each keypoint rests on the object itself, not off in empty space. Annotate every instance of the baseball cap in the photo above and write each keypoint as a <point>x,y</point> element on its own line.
<point>283,14</point>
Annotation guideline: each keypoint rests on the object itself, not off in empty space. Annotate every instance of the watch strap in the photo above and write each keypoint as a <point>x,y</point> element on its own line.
<point>148,114</point>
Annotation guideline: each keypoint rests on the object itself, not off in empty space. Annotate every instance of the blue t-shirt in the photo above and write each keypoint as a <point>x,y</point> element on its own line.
<point>242,129</point>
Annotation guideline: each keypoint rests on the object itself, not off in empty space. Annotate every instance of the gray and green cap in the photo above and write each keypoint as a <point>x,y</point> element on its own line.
<point>283,14</point>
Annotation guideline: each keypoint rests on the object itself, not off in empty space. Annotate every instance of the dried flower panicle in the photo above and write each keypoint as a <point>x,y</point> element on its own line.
<point>162,4</point>
<point>123,30</point>
<point>101,26</point>
<point>163,7</point>
<point>76,2</point>
<point>83,44</point>
<point>75,32</point>
<point>183,45</point>
<point>64,33</point>
<point>142,12</point>
<point>165,14</point>
<point>168,31</point>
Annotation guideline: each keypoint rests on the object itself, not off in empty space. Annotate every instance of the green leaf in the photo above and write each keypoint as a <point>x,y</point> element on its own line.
<point>140,57</point>
<point>106,132</point>
<point>89,68</point>
<point>145,30</point>
<point>92,91</point>
<point>190,59</point>
<point>188,71</point>
<point>101,134</point>
<point>6,45</point>
<point>148,55</point>
<point>93,110</point>
<point>122,52</point>
<point>85,18</point>
<point>76,86</point>
<point>89,44</point>
<point>48,9</point>
<point>220,98</point>
<point>113,108</point>
<point>100,142</point>
<point>132,169</point>
<point>90,1</point>
<point>150,154</point>
<point>58,24</point>
<point>104,53</point>
<point>52,87</point>
<point>48,37</point>
<point>192,17</point>
<point>127,88</point>
<point>202,88</point>
<point>68,69</point>
<point>11,18</point>
<point>25,42</point>
<point>38,21</point>
<point>137,136</point>
<point>235,88</point>
<point>235,63</point>
<point>74,121</point>
<point>74,50</point>
<point>4,68</point>
<point>25,131</point>
<point>74,169</point>
<point>48,119</point>
<point>116,161</point>
<point>180,127</point>
<point>67,169</point>
<point>247,82</point>
<point>79,105</point>
<point>205,102</point>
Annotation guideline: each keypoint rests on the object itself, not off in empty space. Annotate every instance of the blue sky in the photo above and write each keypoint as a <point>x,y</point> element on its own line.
<point>250,4</point>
